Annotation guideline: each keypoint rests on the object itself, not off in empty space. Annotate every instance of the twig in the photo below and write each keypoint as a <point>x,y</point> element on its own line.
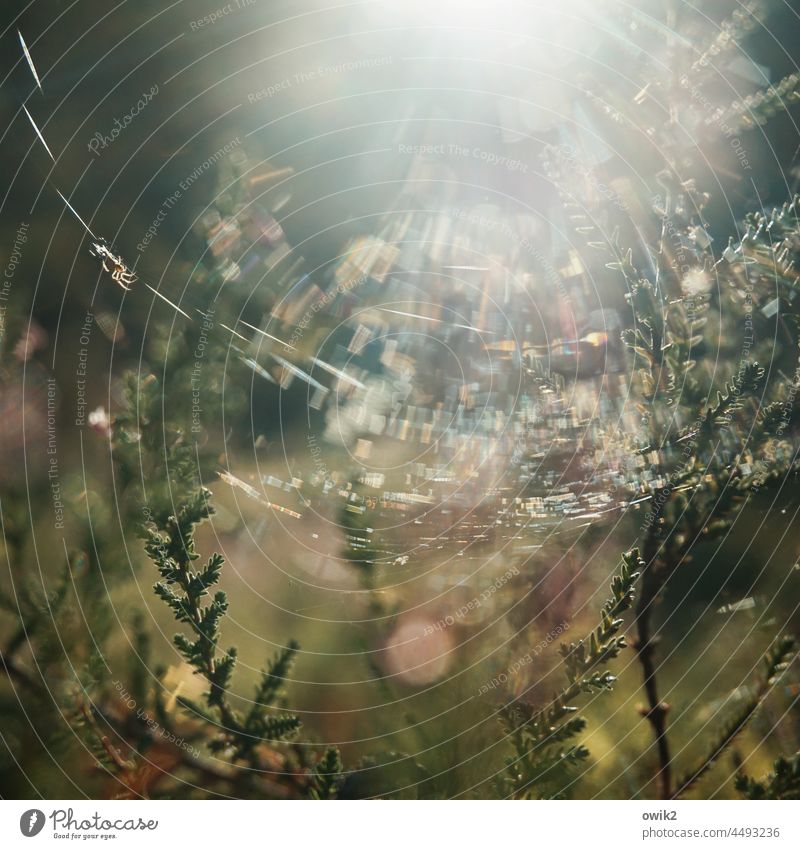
<point>776,660</point>
<point>657,710</point>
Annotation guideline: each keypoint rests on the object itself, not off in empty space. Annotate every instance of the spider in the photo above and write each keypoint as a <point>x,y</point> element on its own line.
<point>114,265</point>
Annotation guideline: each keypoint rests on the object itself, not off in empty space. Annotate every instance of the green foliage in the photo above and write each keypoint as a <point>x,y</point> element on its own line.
<point>757,109</point>
<point>714,431</point>
<point>173,513</point>
<point>782,783</point>
<point>776,660</point>
<point>731,32</point>
<point>326,776</point>
<point>188,593</point>
<point>541,763</point>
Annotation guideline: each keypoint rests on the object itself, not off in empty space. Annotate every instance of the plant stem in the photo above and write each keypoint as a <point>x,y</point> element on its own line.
<point>656,712</point>
<point>776,659</point>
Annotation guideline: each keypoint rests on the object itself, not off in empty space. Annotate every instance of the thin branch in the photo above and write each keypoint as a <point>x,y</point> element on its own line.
<point>657,710</point>
<point>776,660</point>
